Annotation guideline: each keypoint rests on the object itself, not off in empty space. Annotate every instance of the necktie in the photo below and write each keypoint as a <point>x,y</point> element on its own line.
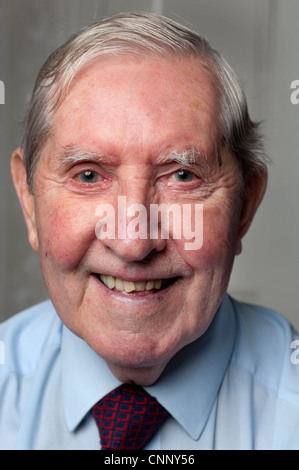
<point>128,417</point>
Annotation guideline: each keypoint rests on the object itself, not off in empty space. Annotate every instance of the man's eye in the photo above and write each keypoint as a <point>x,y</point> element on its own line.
<point>183,176</point>
<point>88,177</point>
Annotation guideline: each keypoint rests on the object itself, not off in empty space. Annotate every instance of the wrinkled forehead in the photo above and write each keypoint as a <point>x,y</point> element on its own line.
<point>158,87</point>
<point>199,62</point>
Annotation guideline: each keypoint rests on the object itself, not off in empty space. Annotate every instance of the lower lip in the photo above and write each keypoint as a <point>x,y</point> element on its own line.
<point>151,295</point>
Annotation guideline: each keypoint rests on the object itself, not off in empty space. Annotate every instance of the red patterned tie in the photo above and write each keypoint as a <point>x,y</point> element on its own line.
<point>127,418</point>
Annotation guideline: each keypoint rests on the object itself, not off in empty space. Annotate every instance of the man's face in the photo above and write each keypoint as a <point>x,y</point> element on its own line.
<point>129,118</point>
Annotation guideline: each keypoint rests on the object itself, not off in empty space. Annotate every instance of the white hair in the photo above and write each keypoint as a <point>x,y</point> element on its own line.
<point>136,34</point>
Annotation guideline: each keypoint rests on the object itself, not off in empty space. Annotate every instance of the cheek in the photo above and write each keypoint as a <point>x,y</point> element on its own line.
<point>219,240</point>
<point>65,234</point>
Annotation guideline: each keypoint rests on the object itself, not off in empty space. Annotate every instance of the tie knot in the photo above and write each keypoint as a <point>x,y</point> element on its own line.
<point>128,417</point>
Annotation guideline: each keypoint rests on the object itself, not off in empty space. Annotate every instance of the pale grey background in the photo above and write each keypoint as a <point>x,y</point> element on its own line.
<point>259,38</point>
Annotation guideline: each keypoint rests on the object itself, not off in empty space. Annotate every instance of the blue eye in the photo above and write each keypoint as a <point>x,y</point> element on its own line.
<point>183,176</point>
<point>88,177</point>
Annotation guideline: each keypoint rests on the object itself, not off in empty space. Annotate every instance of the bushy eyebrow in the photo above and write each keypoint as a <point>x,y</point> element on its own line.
<point>71,154</point>
<point>189,157</point>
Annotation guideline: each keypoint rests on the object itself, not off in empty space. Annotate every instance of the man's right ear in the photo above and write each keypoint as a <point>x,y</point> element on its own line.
<point>19,176</point>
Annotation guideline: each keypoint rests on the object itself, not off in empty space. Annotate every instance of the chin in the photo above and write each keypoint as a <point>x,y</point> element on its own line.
<point>135,353</point>
<point>143,373</point>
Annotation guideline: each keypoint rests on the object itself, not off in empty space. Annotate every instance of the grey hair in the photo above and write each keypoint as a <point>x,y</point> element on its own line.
<point>138,34</point>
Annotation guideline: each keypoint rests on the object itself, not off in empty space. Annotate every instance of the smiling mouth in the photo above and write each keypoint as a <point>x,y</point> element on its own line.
<point>121,285</point>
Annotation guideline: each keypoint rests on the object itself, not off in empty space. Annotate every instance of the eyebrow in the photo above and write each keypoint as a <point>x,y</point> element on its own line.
<point>73,154</point>
<point>69,154</point>
<point>187,157</point>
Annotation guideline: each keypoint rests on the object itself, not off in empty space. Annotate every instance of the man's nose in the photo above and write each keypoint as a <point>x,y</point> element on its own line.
<point>134,238</point>
<point>130,250</point>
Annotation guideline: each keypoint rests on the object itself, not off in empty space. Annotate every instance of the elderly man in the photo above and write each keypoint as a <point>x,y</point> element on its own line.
<point>139,345</point>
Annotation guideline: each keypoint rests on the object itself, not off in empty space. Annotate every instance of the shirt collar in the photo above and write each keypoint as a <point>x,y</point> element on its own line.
<point>189,385</point>
<point>85,378</point>
<point>187,388</point>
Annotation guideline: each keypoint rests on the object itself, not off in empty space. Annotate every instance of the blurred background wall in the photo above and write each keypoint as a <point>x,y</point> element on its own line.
<point>260,40</point>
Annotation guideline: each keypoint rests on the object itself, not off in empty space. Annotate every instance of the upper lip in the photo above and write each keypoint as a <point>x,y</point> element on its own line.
<point>136,278</point>
<point>140,273</point>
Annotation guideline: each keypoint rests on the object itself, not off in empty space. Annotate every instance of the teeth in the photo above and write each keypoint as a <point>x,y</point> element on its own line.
<point>119,284</point>
<point>110,282</point>
<point>129,286</point>
<point>140,286</point>
<point>150,285</point>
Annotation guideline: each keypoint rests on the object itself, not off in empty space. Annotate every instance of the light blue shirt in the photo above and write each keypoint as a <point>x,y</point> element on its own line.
<point>234,388</point>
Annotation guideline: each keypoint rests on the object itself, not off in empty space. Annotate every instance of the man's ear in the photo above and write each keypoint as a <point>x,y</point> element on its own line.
<point>252,197</point>
<point>26,199</point>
